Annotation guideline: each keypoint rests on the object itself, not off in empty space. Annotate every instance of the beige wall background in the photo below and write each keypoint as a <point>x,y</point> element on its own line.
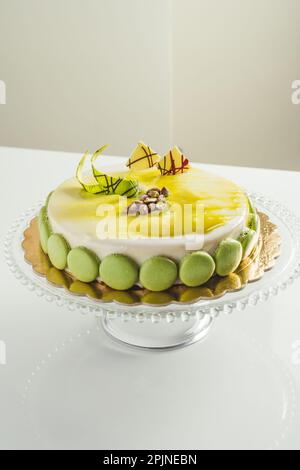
<point>213,76</point>
<point>80,73</point>
<point>233,65</point>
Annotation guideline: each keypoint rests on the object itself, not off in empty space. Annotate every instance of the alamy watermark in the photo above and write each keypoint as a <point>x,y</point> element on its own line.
<point>2,353</point>
<point>180,221</point>
<point>296,93</point>
<point>2,92</point>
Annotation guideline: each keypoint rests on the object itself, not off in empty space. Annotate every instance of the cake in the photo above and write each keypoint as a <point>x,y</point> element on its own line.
<point>154,222</point>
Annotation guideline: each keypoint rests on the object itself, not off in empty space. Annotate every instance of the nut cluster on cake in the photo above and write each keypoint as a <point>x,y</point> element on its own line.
<point>154,200</point>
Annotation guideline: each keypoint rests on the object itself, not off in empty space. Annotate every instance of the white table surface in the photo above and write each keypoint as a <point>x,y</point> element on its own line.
<point>67,385</point>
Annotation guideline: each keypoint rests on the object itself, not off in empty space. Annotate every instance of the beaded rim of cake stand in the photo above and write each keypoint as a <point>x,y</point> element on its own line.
<point>140,313</point>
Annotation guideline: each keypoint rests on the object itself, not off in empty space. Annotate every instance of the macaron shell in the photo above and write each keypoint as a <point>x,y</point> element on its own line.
<point>158,273</point>
<point>119,272</point>
<point>248,239</point>
<point>44,229</point>
<point>254,222</point>
<point>228,256</point>
<point>196,268</point>
<point>58,249</point>
<point>48,199</point>
<point>83,264</point>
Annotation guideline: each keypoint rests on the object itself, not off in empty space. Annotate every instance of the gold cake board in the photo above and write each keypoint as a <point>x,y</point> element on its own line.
<point>262,259</point>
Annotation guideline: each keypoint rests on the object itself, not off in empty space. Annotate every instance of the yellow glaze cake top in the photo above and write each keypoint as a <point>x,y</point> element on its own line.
<point>222,199</point>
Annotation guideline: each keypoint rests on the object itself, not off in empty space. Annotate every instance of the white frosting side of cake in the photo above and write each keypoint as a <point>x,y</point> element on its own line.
<point>140,250</point>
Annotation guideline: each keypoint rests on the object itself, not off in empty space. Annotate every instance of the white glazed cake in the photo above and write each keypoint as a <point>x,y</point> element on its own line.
<point>75,217</point>
<point>189,251</point>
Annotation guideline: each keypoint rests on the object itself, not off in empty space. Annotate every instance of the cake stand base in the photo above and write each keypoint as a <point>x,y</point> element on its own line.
<point>159,336</point>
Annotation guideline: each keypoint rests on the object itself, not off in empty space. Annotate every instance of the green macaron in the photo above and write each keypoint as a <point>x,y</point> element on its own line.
<point>119,271</point>
<point>58,249</point>
<point>196,268</point>
<point>83,264</point>
<point>247,239</point>
<point>158,273</point>
<point>254,220</point>
<point>48,199</point>
<point>228,256</point>
<point>44,229</point>
<point>252,209</point>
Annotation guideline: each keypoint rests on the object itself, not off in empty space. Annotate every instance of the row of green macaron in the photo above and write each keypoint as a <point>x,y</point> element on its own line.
<point>158,273</point>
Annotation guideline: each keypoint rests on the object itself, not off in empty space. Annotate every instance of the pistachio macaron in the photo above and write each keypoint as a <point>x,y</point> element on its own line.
<point>158,273</point>
<point>252,209</point>
<point>119,271</point>
<point>247,240</point>
<point>196,268</point>
<point>228,256</point>
<point>254,220</point>
<point>83,264</point>
<point>44,229</point>
<point>58,249</point>
<point>48,199</point>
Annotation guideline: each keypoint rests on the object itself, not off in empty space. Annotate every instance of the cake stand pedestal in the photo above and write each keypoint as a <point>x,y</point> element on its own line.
<point>150,333</point>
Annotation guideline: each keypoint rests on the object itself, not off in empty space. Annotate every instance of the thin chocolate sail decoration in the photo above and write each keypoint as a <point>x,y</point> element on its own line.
<point>100,183</point>
<point>174,162</point>
<point>114,185</point>
<point>142,157</point>
<point>89,183</point>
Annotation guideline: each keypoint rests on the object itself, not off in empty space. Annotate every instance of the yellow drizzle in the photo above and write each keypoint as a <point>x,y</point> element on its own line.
<point>222,199</point>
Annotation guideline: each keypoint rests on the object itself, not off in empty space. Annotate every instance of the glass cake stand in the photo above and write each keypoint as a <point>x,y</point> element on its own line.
<point>174,325</point>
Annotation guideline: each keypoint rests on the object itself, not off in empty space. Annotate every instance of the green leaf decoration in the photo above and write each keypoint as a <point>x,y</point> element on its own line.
<point>100,183</point>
